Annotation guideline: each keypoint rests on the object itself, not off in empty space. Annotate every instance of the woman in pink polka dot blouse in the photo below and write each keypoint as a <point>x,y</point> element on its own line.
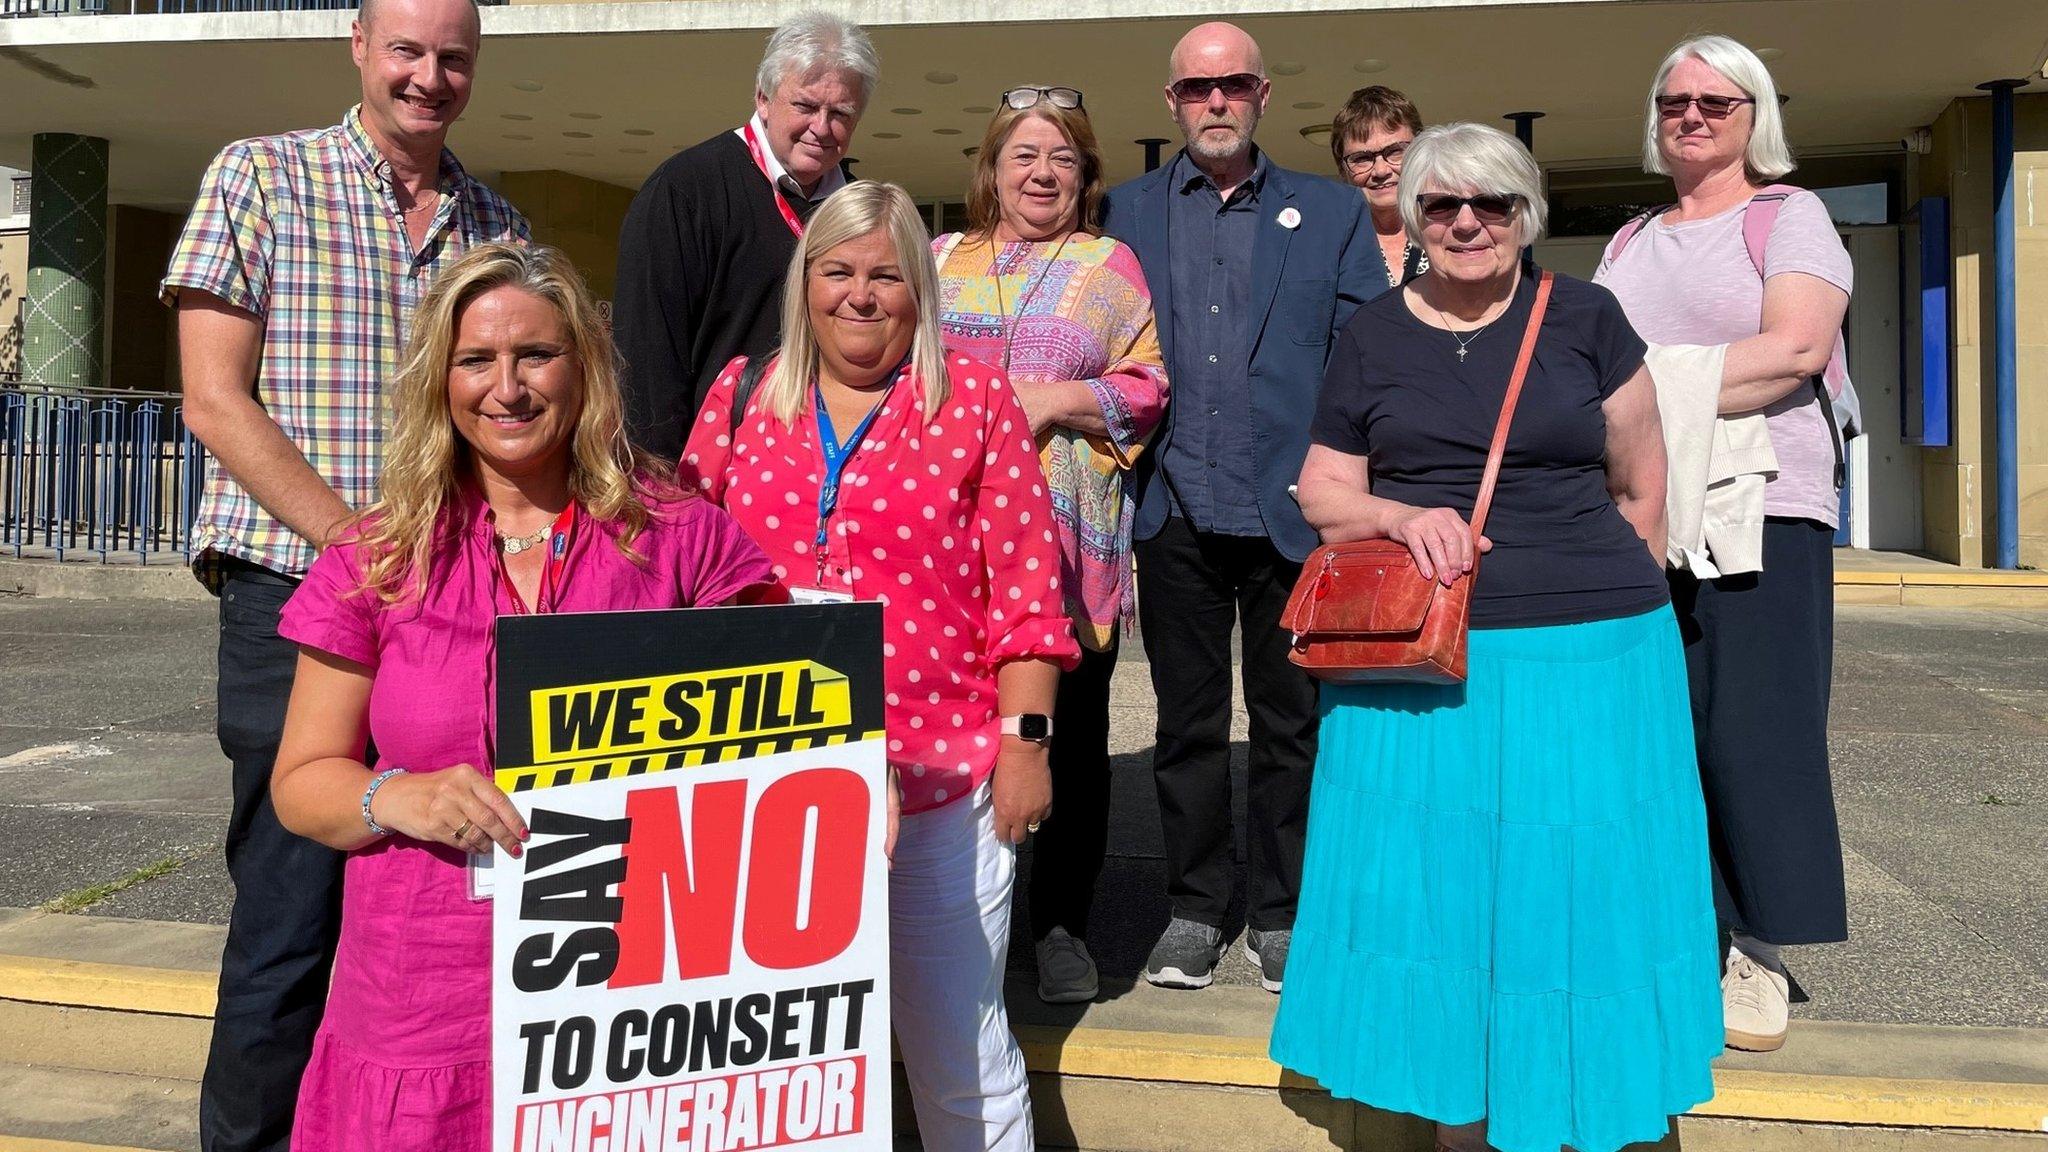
<point>869,464</point>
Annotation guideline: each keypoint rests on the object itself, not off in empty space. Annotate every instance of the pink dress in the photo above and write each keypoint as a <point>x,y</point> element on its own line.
<point>946,522</point>
<point>402,1059</point>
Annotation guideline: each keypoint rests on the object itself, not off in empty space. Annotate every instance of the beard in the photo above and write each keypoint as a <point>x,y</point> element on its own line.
<point>1209,148</point>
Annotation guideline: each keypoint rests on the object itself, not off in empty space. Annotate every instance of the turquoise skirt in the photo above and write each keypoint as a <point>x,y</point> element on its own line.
<point>1506,910</point>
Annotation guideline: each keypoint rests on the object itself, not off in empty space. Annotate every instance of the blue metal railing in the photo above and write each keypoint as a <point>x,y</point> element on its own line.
<point>52,7</point>
<point>114,474</point>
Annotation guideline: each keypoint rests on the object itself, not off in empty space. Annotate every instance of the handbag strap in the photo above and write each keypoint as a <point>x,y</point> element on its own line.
<point>1507,407</point>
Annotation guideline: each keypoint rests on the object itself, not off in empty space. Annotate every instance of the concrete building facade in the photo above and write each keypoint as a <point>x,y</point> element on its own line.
<point>576,102</point>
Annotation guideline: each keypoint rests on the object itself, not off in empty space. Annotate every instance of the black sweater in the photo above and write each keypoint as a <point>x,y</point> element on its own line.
<point>702,255</point>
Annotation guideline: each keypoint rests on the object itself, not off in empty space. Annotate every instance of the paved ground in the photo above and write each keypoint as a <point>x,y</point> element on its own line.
<point>108,765</point>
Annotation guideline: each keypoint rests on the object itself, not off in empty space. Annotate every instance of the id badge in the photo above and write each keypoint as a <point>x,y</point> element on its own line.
<point>798,595</point>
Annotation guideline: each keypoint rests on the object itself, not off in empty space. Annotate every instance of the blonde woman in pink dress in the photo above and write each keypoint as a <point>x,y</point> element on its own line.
<point>509,488</point>
<point>1032,288</point>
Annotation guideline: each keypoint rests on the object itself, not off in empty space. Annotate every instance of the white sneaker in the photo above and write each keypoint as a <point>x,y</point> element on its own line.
<point>1756,1005</point>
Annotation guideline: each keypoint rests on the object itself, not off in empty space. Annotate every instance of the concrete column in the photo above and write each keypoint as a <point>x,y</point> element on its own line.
<point>65,305</point>
<point>2005,371</point>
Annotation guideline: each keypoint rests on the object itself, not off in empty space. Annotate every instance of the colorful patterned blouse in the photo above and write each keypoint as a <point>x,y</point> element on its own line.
<point>1075,312</point>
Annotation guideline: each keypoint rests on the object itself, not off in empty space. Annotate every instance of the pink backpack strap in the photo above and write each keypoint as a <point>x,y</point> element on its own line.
<point>1759,218</point>
<point>1757,221</point>
<point>1629,231</point>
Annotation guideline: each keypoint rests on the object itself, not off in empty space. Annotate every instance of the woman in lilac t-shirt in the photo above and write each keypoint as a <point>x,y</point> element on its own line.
<point>1759,647</point>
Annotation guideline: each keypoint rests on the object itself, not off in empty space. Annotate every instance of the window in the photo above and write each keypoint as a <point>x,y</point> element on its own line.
<point>20,198</point>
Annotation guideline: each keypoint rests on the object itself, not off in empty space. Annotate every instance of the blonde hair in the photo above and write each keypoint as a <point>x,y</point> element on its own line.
<point>854,211</point>
<point>426,462</point>
<point>1768,155</point>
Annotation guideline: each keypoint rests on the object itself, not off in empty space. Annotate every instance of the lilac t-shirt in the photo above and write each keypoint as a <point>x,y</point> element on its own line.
<point>1692,283</point>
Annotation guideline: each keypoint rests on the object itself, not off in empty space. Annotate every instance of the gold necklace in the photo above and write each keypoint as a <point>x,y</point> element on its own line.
<point>514,545</point>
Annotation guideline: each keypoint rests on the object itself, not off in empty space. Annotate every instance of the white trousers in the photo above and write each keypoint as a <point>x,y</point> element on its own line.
<point>949,933</point>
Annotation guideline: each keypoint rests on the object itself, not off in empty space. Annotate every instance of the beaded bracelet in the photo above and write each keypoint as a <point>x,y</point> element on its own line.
<point>377,782</point>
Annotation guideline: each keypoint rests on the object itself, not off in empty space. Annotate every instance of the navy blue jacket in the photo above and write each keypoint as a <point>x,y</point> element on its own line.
<point>1306,282</point>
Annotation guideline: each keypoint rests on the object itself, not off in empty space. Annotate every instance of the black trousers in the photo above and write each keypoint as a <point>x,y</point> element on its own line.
<point>1192,587</point>
<point>1759,650</point>
<point>1067,852</point>
<point>287,912</point>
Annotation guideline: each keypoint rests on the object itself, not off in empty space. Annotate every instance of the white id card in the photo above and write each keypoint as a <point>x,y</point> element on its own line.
<point>818,596</point>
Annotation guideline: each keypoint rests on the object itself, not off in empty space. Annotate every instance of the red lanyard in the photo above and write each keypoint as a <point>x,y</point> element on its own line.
<point>553,572</point>
<point>789,216</point>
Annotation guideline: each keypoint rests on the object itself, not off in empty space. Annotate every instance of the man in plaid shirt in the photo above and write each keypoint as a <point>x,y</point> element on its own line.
<point>295,282</point>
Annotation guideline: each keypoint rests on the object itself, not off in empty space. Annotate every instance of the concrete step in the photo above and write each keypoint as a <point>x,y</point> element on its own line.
<point>56,1109</point>
<point>105,1023</point>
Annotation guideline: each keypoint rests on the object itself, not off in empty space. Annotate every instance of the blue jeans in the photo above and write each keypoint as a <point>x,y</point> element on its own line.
<point>287,913</point>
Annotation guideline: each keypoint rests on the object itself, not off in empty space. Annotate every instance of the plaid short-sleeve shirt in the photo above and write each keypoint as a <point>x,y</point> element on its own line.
<point>305,231</point>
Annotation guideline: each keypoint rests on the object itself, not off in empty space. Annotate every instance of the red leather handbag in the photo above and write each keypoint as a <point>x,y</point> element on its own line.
<point>1362,613</point>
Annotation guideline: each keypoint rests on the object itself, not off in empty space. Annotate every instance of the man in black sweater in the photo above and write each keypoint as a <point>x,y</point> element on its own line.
<point>708,240</point>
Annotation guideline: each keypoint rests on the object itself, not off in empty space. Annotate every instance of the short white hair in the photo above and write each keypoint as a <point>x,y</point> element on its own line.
<point>809,43</point>
<point>1473,159</point>
<point>1768,156</point>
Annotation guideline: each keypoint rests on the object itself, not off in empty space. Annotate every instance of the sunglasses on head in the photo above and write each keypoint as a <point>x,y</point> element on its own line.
<point>1028,96</point>
<point>1196,89</point>
<point>1489,208</point>
<point>1711,107</point>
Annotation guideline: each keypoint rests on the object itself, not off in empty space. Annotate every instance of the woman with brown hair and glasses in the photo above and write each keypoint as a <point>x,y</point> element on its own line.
<point>1369,138</point>
<point>1032,287</point>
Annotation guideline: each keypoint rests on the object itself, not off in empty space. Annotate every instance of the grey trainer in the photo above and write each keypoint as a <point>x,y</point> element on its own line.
<point>1268,950</point>
<point>1066,973</point>
<point>1185,956</point>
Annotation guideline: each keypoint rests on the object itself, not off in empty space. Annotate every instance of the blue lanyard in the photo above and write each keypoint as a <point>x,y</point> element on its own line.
<point>836,456</point>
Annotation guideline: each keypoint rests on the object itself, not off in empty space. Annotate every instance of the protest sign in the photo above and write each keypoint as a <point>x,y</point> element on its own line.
<point>692,954</point>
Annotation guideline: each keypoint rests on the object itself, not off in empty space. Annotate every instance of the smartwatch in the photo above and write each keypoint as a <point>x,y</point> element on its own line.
<point>1033,726</point>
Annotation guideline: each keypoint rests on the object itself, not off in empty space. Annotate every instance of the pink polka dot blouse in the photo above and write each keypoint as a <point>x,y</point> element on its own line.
<point>947,523</point>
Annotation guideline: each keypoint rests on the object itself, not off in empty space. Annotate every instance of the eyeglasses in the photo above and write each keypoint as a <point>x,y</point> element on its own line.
<point>1489,208</point>
<point>1196,89</point>
<point>1027,97</point>
<point>1363,159</point>
<point>1711,107</point>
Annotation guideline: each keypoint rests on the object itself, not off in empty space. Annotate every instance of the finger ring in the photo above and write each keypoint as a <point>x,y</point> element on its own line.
<point>463,831</point>
<point>1031,827</point>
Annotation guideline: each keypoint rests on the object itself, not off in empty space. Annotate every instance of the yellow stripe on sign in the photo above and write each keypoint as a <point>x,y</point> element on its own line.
<point>641,717</point>
<point>535,776</point>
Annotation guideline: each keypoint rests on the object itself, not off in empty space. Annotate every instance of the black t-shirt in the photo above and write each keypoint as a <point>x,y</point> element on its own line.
<point>1396,393</point>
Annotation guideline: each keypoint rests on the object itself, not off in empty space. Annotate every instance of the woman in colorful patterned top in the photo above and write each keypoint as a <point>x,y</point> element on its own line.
<point>872,463</point>
<point>1031,288</point>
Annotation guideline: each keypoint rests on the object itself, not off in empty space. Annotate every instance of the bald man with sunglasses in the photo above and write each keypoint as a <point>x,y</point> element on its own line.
<point>1253,270</point>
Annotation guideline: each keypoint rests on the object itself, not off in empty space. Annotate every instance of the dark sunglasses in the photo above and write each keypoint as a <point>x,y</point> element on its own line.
<point>1490,208</point>
<point>1363,159</point>
<point>1711,107</point>
<point>1196,89</point>
<point>1027,96</point>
